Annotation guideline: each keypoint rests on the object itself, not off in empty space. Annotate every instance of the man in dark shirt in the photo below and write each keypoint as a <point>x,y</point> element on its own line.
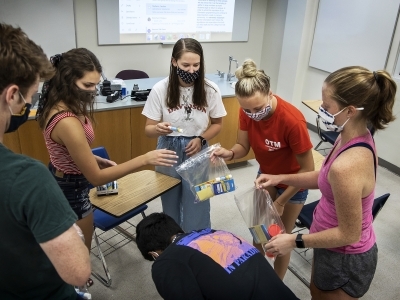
<point>205,264</point>
<point>42,255</point>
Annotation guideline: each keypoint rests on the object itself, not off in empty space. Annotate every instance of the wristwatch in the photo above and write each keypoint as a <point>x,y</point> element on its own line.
<point>299,241</point>
<point>203,141</point>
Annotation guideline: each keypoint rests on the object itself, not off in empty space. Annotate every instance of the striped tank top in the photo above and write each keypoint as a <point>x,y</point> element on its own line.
<point>59,155</point>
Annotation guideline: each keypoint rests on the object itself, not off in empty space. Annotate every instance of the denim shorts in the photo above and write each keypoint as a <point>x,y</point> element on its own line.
<point>353,273</point>
<point>299,198</point>
<point>76,189</point>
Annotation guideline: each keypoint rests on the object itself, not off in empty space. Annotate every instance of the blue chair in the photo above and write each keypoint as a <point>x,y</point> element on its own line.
<point>305,218</point>
<point>307,212</point>
<point>106,222</point>
<point>325,136</point>
<point>331,136</point>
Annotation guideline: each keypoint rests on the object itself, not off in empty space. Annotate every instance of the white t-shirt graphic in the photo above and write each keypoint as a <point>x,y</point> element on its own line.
<point>191,118</point>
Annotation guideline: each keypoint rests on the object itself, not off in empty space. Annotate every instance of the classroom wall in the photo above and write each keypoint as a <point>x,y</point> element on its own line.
<point>306,83</point>
<point>273,39</point>
<point>154,59</point>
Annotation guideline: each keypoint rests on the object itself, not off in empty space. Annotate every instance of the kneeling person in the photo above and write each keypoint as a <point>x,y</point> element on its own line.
<point>205,264</point>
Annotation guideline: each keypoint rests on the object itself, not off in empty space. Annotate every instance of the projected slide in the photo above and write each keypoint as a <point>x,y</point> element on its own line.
<point>169,20</point>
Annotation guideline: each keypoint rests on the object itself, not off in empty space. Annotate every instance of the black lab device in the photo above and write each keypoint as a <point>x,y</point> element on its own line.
<point>112,97</point>
<point>140,95</point>
<point>106,88</point>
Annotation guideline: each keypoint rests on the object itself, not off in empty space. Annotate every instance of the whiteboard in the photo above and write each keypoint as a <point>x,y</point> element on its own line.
<point>353,32</point>
<point>114,15</point>
<point>49,23</point>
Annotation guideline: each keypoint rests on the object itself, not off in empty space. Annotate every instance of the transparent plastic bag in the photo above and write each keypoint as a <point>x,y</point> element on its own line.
<point>260,215</point>
<point>206,179</point>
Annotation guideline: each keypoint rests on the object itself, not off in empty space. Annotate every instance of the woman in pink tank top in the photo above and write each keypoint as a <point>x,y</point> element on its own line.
<point>65,115</point>
<point>342,235</point>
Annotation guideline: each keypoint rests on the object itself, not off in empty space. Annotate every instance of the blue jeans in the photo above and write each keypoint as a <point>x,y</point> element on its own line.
<point>299,198</point>
<point>76,190</point>
<point>179,202</point>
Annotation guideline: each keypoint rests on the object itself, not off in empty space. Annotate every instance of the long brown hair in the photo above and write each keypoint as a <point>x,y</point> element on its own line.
<point>199,93</point>
<point>357,86</point>
<point>70,67</point>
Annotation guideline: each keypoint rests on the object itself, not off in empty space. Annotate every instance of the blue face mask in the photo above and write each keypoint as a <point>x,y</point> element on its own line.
<point>328,119</point>
<point>17,120</point>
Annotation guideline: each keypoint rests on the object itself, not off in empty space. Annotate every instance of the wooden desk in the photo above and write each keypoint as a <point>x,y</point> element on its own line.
<point>312,104</point>
<point>318,159</point>
<point>134,190</point>
<point>32,113</point>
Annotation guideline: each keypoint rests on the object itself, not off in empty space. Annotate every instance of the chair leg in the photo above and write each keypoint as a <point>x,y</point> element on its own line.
<point>319,144</point>
<point>143,214</point>
<point>302,279</point>
<point>106,282</point>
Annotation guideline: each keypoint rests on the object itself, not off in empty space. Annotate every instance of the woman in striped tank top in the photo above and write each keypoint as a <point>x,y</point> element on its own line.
<point>65,115</point>
<point>342,235</point>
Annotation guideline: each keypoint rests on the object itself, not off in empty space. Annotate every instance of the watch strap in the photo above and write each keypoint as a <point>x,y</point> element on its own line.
<point>299,241</point>
<point>202,140</point>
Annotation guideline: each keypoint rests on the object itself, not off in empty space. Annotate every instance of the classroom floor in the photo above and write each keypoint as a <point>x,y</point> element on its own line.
<point>131,274</point>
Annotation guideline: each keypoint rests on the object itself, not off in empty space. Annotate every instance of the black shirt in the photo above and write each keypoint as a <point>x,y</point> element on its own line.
<point>215,264</point>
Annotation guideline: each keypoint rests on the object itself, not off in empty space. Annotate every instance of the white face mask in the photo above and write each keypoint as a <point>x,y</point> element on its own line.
<point>328,119</point>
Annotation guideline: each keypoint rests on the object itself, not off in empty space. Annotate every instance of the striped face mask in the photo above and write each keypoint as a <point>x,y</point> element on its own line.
<point>328,119</point>
<point>258,116</point>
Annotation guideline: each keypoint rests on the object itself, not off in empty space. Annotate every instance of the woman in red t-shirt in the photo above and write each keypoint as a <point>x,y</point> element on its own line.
<point>277,133</point>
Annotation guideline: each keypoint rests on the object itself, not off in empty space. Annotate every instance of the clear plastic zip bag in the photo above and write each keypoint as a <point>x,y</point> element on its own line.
<point>260,215</point>
<point>207,179</point>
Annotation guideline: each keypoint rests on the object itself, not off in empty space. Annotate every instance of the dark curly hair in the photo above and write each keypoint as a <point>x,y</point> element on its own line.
<point>70,67</point>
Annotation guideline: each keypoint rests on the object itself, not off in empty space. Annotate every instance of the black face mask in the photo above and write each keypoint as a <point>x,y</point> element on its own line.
<point>86,95</point>
<point>186,76</point>
<point>18,120</point>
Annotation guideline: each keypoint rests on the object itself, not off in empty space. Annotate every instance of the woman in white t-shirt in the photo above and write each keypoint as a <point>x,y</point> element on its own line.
<point>188,101</point>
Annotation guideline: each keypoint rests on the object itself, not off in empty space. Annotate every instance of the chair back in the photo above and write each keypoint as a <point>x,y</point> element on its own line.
<point>378,204</point>
<point>307,212</point>
<point>100,151</point>
<point>131,74</point>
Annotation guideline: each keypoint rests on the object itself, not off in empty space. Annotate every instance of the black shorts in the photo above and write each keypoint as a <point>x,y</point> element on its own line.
<point>353,273</point>
<point>76,190</point>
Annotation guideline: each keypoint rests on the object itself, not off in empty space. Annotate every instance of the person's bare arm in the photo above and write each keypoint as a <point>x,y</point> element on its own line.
<point>154,129</point>
<point>239,150</point>
<point>69,256</point>
<point>194,145</point>
<point>351,179</point>
<point>69,132</point>
<point>306,163</point>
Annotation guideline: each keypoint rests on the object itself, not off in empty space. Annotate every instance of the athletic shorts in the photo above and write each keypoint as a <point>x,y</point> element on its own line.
<point>353,273</point>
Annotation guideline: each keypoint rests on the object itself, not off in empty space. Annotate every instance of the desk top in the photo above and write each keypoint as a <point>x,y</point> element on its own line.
<point>318,159</point>
<point>312,104</point>
<point>134,190</point>
<point>101,103</point>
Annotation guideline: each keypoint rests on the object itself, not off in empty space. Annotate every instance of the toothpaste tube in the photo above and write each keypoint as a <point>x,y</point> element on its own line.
<point>175,129</point>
